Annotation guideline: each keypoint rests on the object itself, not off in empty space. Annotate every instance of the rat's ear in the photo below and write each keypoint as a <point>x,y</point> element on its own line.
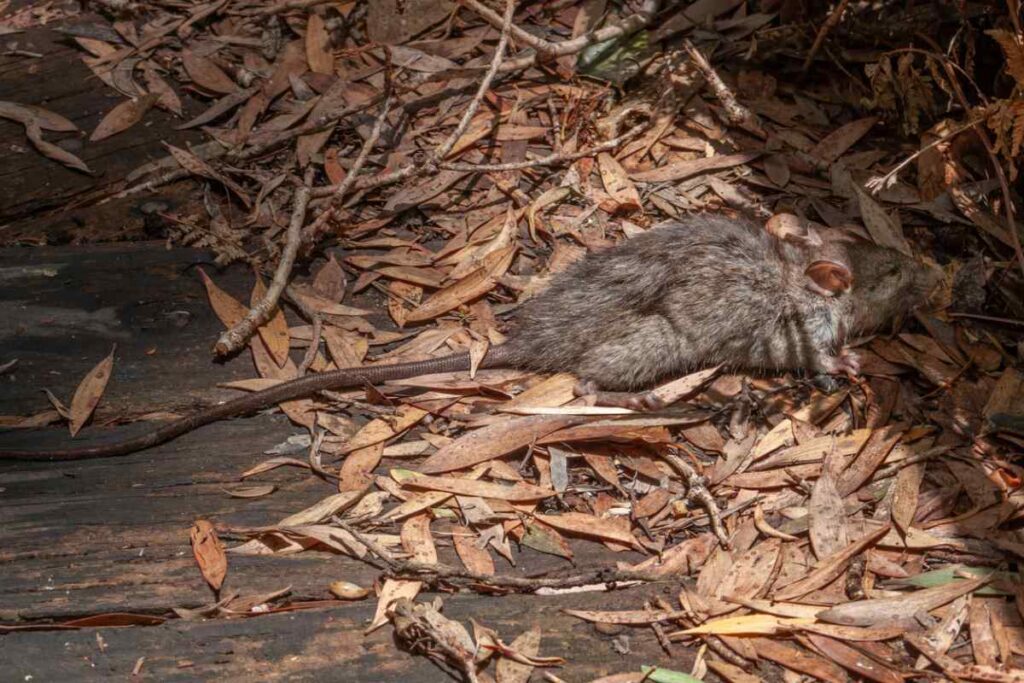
<point>828,278</point>
<point>793,229</point>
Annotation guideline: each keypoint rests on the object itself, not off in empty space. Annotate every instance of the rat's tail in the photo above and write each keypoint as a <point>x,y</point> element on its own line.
<point>286,391</point>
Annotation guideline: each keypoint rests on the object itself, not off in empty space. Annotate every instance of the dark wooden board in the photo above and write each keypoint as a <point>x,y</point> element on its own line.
<point>60,82</point>
<point>111,535</point>
<point>328,645</point>
<point>62,309</point>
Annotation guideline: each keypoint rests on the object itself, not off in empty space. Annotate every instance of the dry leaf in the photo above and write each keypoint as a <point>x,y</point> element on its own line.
<point>318,46</point>
<point>206,74</point>
<point>123,116</point>
<point>209,553</point>
<point>90,390</point>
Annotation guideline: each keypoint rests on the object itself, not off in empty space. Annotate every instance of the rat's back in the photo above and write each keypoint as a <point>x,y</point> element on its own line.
<point>660,302</point>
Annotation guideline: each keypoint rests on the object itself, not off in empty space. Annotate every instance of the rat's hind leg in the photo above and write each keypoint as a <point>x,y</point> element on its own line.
<point>641,402</point>
<point>646,350</point>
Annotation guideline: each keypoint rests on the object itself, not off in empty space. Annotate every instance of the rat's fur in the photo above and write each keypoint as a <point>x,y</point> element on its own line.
<point>705,291</point>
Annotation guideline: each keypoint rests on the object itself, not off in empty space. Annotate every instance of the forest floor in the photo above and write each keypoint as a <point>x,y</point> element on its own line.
<point>202,199</point>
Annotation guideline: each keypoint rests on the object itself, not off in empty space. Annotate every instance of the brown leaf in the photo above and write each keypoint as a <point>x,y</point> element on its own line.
<point>167,98</point>
<point>225,307</point>
<point>617,184</point>
<point>827,514</point>
<point>835,144</point>
<point>330,281</point>
<point>474,285</point>
<point>800,660</point>
<point>123,116</point>
<point>493,441</point>
<point>357,471</point>
<point>274,332</point>
<point>209,553</point>
<point>52,151</point>
<point>884,230</point>
<point>520,491</point>
<point>589,526</point>
<point>206,74</point>
<point>90,390</point>
<point>518,670</point>
<point>899,610</point>
<point>684,169</point>
<point>860,664</point>
<point>829,568</point>
<point>475,558</point>
<point>318,46</point>
<point>43,118</point>
<point>905,494</point>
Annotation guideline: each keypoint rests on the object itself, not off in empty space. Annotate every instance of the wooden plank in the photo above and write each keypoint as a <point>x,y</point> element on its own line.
<point>60,82</point>
<point>111,535</point>
<point>61,310</point>
<point>328,644</point>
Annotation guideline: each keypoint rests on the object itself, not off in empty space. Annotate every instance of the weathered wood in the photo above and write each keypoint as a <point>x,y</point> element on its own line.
<point>327,644</point>
<point>111,535</point>
<point>60,82</point>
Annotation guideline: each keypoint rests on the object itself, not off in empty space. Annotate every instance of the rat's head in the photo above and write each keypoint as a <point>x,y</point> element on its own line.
<point>887,285</point>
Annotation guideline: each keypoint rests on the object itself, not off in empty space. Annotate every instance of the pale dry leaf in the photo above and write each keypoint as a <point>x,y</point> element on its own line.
<point>90,390</point>
<point>123,116</point>
<point>318,46</point>
<point>209,553</point>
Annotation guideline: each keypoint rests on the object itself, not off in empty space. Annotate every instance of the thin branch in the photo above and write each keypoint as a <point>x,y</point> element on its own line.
<point>444,573</point>
<point>1011,224</point>
<point>696,490</point>
<point>881,182</point>
<point>735,112</point>
<point>629,25</point>
<point>551,159</point>
<point>311,233</point>
<point>236,337</point>
<point>499,53</point>
<point>830,23</point>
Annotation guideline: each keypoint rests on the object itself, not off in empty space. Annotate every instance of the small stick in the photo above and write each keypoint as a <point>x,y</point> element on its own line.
<point>312,232</point>
<point>830,23</point>
<point>735,112</point>
<point>550,160</point>
<point>444,148</point>
<point>696,490</point>
<point>630,24</point>
<point>314,345</point>
<point>233,339</point>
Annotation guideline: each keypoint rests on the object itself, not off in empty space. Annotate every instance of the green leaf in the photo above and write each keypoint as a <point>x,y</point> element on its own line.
<point>659,675</point>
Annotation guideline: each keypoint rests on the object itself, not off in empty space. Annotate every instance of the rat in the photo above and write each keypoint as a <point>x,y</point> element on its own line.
<point>698,292</point>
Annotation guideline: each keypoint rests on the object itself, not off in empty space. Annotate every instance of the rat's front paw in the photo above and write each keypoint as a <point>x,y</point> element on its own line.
<point>846,363</point>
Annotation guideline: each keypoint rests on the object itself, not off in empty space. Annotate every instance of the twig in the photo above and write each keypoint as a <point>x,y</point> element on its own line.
<point>311,234</point>
<point>1011,224</point>
<point>830,23</point>
<point>735,112</point>
<point>434,573</point>
<point>551,159</point>
<point>629,25</point>
<point>444,148</point>
<point>314,345</point>
<point>279,7</point>
<point>881,182</point>
<point>697,491</point>
<point>236,337</point>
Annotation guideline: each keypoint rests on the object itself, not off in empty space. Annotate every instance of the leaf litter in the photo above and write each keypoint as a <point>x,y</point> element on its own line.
<point>451,162</point>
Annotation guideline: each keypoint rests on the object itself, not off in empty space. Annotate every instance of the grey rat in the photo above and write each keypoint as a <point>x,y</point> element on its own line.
<point>703,291</point>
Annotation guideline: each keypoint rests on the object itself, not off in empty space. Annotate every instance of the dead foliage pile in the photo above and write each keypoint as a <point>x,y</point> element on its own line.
<point>452,156</point>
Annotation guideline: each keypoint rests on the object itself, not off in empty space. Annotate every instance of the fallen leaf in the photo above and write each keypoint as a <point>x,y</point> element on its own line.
<point>209,553</point>
<point>90,390</point>
<point>123,116</point>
